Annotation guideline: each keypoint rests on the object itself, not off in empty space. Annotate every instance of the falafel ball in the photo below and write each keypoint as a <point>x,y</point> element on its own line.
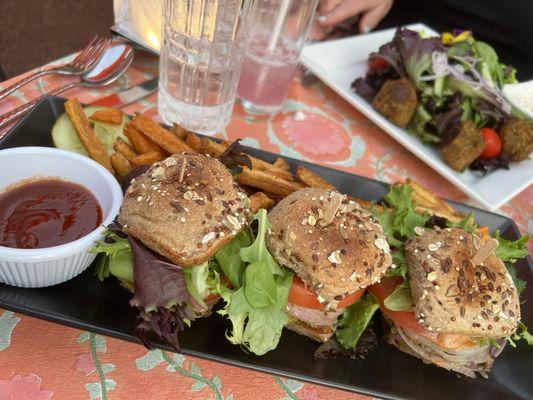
<point>397,101</point>
<point>464,148</point>
<point>517,139</point>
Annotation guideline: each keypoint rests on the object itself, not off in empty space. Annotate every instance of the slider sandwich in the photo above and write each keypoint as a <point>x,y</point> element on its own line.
<point>464,302</point>
<point>335,248</point>
<point>177,216</point>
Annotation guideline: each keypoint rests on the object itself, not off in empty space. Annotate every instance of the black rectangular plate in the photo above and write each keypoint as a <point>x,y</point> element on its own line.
<point>87,304</point>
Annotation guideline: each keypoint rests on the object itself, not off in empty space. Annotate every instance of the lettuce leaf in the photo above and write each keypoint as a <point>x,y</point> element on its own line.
<point>466,223</point>
<point>256,309</point>
<point>354,321</point>
<point>160,294</point>
<point>258,251</point>
<point>401,299</point>
<point>114,258</point>
<point>511,250</point>
<point>398,219</point>
<point>201,281</point>
<point>260,289</point>
<point>522,333</point>
<point>229,259</point>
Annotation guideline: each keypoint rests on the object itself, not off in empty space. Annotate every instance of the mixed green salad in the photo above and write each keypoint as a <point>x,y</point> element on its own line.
<point>457,79</point>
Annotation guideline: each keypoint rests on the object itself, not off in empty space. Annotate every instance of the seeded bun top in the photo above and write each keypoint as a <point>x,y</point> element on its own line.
<point>453,295</point>
<point>332,244</point>
<point>185,208</point>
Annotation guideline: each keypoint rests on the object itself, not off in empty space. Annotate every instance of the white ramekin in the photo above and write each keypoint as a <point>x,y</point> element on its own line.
<point>53,265</point>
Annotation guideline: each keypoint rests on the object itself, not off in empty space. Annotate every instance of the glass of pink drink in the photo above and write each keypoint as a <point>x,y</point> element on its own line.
<point>277,36</point>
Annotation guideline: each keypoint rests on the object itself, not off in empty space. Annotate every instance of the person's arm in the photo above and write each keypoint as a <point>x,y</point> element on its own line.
<point>333,12</point>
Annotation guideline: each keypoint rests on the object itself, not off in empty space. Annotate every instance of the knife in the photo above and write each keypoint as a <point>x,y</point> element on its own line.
<point>128,96</point>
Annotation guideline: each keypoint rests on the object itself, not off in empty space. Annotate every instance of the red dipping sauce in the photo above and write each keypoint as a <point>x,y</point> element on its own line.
<point>45,213</point>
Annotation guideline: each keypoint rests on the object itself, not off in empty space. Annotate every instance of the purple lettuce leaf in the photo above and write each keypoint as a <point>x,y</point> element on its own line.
<point>369,86</point>
<point>447,118</point>
<point>417,54</point>
<point>160,294</point>
<point>484,166</point>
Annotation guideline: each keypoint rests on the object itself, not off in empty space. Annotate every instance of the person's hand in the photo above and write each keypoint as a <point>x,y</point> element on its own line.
<point>333,12</point>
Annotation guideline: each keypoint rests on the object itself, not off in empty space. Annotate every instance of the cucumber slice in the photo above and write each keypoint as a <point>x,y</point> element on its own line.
<point>65,137</point>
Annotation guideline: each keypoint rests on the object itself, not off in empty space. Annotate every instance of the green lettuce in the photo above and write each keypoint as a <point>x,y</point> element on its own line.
<point>114,258</point>
<point>401,299</point>
<point>256,309</point>
<point>201,281</point>
<point>509,251</point>
<point>229,259</point>
<point>522,333</point>
<point>466,223</point>
<point>354,321</point>
<point>398,219</point>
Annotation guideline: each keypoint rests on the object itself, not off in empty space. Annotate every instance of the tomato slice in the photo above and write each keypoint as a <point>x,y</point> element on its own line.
<point>302,296</point>
<point>378,63</point>
<point>405,319</point>
<point>493,144</point>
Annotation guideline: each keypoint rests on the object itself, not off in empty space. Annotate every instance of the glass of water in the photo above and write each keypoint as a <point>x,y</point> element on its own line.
<point>279,31</point>
<point>200,62</point>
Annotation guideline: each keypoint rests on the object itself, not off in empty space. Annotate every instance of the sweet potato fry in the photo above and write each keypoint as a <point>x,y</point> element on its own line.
<point>260,200</point>
<point>267,182</point>
<point>121,165</point>
<point>107,115</point>
<point>431,203</point>
<point>179,131</point>
<point>160,135</point>
<point>194,141</point>
<point>281,164</point>
<point>140,142</point>
<point>90,141</point>
<point>309,178</point>
<point>211,147</point>
<point>125,149</point>
<point>147,159</point>
<point>264,166</point>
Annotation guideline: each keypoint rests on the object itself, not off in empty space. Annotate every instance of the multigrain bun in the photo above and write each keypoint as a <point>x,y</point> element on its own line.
<point>185,208</point>
<point>332,244</point>
<point>451,294</point>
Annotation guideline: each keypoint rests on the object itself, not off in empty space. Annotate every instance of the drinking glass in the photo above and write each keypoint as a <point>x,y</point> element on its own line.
<point>201,57</point>
<point>279,31</point>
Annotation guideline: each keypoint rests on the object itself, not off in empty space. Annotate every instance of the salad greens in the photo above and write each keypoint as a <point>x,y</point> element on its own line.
<point>354,321</point>
<point>457,78</point>
<point>255,299</point>
<point>257,308</point>
<point>401,299</point>
<point>398,219</point>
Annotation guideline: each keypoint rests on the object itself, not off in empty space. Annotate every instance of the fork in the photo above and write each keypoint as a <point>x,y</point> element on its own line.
<point>83,62</point>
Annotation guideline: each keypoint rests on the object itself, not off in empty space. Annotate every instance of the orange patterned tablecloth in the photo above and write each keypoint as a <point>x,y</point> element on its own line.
<point>40,360</point>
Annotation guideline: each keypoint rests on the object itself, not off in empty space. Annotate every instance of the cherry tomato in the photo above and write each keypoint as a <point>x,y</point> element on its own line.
<point>378,63</point>
<point>302,296</point>
<point>493,144</point>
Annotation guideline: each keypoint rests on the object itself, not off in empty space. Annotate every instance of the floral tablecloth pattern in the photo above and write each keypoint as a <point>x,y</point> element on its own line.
<point>41,361</point>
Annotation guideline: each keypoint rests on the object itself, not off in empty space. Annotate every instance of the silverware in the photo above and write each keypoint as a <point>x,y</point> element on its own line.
<point>83,62</point>
<point>128,96</point>
<point>110,67</point>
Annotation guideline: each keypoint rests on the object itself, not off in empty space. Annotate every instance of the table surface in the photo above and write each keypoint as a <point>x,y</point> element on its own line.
<point>40,360</point>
